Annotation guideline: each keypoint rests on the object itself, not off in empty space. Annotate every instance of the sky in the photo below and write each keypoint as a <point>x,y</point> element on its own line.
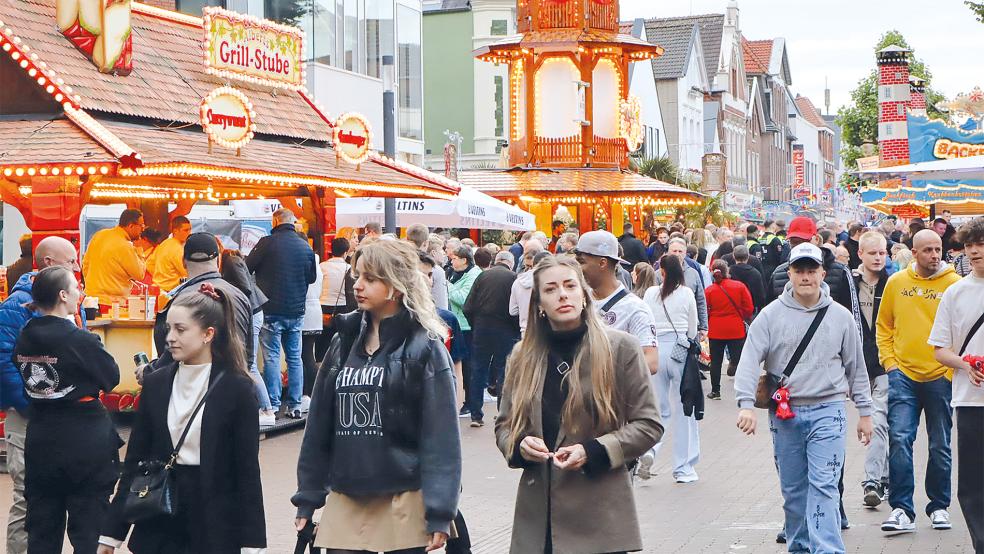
<point>833,40</point>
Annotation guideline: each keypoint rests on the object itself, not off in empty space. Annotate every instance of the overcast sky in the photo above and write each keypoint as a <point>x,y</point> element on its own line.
<point>835,39</point>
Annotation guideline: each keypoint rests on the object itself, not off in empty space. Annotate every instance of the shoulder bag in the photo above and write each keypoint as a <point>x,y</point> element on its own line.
<point>152,492</point>
<point>768,384</point>
<point>970,335</point>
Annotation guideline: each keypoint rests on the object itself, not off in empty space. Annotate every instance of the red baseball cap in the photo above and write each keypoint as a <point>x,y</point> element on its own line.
<point>802,228</point>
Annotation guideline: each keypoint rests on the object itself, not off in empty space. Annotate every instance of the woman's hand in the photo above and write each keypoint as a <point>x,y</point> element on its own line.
<point>865,430</point>
<point>437,540</point>
<point>103,549</point>
<point>533,449</point>
<point>747,421</point>
<point>570,457</point>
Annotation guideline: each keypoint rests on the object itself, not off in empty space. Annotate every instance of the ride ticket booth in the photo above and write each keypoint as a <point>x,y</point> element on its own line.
<point>152,109</point>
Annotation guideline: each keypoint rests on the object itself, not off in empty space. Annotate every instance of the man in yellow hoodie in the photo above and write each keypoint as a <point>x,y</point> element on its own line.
<point>111,261</point>
<point>916,382</point>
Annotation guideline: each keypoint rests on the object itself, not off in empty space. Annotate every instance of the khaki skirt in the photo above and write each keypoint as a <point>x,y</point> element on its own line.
<point>376,524</point>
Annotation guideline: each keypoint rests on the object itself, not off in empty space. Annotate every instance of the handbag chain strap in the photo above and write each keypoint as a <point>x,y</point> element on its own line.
<point>662,302</point>
<point>174,454</point>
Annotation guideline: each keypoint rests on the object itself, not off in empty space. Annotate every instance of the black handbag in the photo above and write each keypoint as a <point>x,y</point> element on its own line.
<point>768,383</point>
<point>152,492</point>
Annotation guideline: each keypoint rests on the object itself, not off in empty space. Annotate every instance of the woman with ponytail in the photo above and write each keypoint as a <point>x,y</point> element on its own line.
<point>219,500</point>
<point>382,434</point>
<point>576,407</point>
<point>729,309</point>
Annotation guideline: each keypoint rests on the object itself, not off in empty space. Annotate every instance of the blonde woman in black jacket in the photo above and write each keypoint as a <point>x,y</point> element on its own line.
<point>382,433</point>
<point>219,498</point>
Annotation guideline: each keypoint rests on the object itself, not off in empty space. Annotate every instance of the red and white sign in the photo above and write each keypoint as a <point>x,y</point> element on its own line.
<point>352,138</point>
<point>799,167</point>
<point>227,118</point>
<point>253,50</point>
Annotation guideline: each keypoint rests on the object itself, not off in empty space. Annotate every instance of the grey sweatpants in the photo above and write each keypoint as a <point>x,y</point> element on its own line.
<point>876,458</point>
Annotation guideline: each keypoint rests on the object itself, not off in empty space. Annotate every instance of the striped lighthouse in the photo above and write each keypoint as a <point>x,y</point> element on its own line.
<point>893,99</point>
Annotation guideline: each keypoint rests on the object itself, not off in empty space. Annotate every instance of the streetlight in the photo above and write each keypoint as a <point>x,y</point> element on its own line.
<point>389,134</point>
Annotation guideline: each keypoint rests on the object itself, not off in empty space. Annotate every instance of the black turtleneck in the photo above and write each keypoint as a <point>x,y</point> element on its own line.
<point>562,348</point>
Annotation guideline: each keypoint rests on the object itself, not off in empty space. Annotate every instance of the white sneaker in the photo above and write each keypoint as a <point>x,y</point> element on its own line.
<point>686,477</point>
<point>644,471</point>
<point>267,420</point>
<point>899,522</point>
<point>941,519</point>
<point>305,406</point>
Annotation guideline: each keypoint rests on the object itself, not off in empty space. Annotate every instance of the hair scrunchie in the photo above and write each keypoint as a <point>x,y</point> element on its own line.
<point>209,290</point>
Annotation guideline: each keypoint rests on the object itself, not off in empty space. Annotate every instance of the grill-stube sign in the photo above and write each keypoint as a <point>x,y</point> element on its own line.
<point>253,50</point>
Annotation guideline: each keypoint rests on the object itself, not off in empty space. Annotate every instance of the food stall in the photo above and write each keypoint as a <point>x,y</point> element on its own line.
<point>157,110</point>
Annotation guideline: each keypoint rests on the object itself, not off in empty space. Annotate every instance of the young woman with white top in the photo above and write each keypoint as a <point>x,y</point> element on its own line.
<point>675,312</point>
<point>217,474</point>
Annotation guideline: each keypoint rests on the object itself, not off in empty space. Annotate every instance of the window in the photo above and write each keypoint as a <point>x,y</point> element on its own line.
<point>410,73</point>
<point>350,38</point>
<point>322,37</point>
<point>194,7</point>
<point>499,107</point>
<point>499,27</point>
<point>379,35</point>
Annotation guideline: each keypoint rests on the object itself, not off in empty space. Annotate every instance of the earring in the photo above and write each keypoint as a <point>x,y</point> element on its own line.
<point>543,313</point>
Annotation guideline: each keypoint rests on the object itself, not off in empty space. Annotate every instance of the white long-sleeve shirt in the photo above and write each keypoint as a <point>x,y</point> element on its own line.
<point>681,307</point>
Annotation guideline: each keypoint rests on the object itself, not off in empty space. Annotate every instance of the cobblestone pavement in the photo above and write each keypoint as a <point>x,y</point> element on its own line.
<point>734,508</point>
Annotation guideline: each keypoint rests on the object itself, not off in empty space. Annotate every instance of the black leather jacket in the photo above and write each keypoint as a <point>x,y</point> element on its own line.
<point>838,279</point>
<point>422,449</point>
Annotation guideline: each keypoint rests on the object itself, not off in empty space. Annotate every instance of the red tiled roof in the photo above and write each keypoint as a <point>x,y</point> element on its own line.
<point>168,80</point>
<point>46,141</point>
<point>625,27</point>
<point>757,55</point>
<point>515,182</point>
<point>810,112</point>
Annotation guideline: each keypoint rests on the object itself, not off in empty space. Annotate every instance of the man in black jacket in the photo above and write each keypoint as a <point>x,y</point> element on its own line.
<point>870,282</point>
<point>494,331</point>
<point>748,275</point>
<point>854,233</point>
<point>634,251</point>
<point>201,259</point>
<point>284,266</point>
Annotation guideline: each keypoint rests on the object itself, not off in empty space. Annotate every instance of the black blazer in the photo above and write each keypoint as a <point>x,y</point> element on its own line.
<point>230,469</point>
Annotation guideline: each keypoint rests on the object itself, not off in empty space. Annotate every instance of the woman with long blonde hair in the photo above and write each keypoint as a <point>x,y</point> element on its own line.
<point>576,407</point>
<point>382,434</point>
<point>643,277</point>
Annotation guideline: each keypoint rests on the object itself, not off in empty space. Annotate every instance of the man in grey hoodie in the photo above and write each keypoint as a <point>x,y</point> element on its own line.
<point>809,447</point>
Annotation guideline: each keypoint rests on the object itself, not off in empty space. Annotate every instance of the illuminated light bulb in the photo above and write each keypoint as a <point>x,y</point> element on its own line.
<point>79,170</point>
<point>19,172</point>
<point>92,170</point>
<point>32,72</point>
<point>55,171</point>
<point>44,171</point>
<point>59,97</point>
<point>31,171</point>
<point>8,172</point>
<point>16,56</point>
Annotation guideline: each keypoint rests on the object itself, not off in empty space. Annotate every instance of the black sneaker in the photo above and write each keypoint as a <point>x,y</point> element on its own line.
<point>295,413</point>
<point>781,537</point>
<point>464,412</point>
<point>714,395</point>
<point>477,423</point>
<point>872,495</point>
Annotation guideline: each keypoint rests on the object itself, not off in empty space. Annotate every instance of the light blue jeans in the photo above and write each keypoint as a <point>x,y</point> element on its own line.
<point>666,385</point>
<point>262,396</point>
<point>286,330</point>
<point>809,451</point>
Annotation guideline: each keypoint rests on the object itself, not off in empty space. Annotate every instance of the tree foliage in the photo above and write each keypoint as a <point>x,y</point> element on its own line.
<point>859,120</point>
<point>977,8</point>
<point>711,210</point>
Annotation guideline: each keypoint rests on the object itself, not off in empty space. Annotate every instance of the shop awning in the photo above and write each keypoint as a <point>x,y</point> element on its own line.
<point>470,209</point>
<point>567,183</point>
<point>971,168</point>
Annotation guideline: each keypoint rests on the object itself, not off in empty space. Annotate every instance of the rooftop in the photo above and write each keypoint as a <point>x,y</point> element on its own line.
<point>711,28</point>
<point>758,54</point>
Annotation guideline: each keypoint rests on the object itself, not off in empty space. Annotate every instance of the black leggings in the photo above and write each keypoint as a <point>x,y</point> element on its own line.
<point>734,347</point>
<point>308,340</point>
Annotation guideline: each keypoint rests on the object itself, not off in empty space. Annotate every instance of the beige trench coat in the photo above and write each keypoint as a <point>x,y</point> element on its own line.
<point>596,514</point>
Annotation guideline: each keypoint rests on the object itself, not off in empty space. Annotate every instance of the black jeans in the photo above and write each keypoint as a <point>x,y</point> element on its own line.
<point>490,348</point>
<point>734,347</point>
<point>970,480</point>
<point>420,550</point>
<point>71,466</point>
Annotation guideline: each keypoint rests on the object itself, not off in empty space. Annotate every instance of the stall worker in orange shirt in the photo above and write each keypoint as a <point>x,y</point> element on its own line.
<point>169,267</point>
<point>111,261</point>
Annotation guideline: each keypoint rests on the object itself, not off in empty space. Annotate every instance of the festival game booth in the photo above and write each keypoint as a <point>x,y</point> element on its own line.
<point>124,103</point>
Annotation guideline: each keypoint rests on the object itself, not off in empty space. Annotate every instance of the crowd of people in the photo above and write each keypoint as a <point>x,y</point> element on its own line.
<point>593,348</point>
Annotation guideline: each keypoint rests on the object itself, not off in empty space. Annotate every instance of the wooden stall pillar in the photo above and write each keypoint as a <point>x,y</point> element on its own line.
<point>585,217</point>
<point>156,215</point>
<point>55,206</point>
<point>617,223</point>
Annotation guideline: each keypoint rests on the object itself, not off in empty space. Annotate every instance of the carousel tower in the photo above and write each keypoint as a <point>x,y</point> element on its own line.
<point>568,84</point>
<point>893,100</point>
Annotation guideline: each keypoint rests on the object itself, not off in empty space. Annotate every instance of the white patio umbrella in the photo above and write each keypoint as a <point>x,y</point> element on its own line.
<point>964,169</point>
<point>471,209</point>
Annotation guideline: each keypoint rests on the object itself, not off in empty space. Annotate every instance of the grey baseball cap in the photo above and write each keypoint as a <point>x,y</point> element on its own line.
<point>599,243</point>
